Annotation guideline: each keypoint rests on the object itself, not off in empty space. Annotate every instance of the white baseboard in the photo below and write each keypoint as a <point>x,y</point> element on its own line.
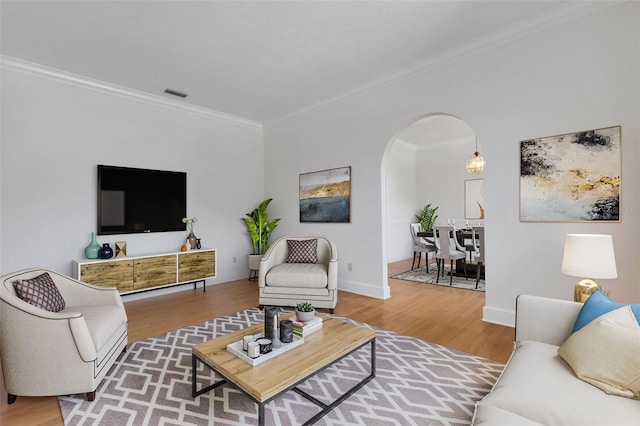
<point>365,289</point>
<point>499,316</point>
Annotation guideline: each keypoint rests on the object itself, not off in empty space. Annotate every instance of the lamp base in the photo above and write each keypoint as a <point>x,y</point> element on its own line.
<point>584,288</point>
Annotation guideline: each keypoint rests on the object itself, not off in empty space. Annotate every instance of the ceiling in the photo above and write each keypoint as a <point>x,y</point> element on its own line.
<point>259,60</point>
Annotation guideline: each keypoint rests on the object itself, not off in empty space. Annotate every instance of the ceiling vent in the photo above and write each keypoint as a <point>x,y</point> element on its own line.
<point>176,93</point>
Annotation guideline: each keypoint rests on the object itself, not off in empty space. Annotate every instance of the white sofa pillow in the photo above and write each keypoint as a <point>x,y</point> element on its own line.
<point>606,353</point>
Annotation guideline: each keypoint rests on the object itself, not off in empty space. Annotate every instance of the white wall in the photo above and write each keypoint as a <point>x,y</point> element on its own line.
<point>400,171</point>
<point>580,75</point>
<point>441,177</point>
<point>55,132</point>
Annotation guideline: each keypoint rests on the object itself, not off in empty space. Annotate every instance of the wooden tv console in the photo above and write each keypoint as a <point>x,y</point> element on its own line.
<point>139,273</point>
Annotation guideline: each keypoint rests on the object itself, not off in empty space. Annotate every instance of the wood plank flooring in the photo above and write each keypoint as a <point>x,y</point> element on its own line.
<point>447,316</point>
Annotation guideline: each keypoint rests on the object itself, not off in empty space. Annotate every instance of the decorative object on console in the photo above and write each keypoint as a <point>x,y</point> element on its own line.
<point>191,238</point>
<point>325,196</point>
<point>93,249</point>
<point>121,249</point>
<point>573,177</point>
<point>475,164</point>
<point>305,311</point>
<point>106,252</point>
<point>589,256</point>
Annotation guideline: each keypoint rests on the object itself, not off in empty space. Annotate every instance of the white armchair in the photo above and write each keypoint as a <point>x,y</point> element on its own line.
<point>286,284</point>
<point>59,353</point>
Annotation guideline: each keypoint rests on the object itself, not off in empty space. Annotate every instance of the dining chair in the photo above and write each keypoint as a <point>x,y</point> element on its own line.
<point>448,249</point>
<point>420,245</point>
<point>479,241</point>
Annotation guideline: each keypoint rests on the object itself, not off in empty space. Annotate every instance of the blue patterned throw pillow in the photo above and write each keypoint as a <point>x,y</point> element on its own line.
<point>302,251</point>
<point>598,304</point>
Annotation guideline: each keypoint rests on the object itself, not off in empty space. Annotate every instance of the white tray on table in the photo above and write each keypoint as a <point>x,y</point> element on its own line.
<point>236,349</point>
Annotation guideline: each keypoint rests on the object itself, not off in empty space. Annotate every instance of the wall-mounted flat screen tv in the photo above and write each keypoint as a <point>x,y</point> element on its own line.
<point>140,200</point>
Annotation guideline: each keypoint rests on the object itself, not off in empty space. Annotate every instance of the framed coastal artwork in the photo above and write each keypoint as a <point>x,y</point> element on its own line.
<point>325,196</point>
<point>474,199</point>
<point>574,177</point>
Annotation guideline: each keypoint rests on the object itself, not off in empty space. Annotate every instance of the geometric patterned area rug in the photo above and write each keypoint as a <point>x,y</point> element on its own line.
<point>422,276</point>
<point>416,383</point>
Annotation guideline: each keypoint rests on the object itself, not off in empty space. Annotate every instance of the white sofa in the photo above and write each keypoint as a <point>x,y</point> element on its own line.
<point>537,387</point>
<point>47,353</point>
<point>286,284</point>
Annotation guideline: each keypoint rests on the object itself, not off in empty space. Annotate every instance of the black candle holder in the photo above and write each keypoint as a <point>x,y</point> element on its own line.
<point>270,320</point>
<point>286,331</point>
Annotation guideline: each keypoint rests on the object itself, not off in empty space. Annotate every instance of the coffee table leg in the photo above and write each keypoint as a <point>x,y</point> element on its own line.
<point>194,377</point>
<point>327,408</point>
<point>260,414</point>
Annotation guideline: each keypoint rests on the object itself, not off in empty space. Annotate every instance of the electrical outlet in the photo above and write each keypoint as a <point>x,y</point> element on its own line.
<point>235,259</point>
<point>349,267</point>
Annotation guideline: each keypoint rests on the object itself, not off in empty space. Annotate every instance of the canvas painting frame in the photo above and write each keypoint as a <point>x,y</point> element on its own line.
<point>474,199</point>
<point>572,177</point>
<point>325,196</point>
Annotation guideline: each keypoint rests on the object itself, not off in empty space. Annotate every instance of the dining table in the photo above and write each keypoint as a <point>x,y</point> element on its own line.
<point>461,236</point>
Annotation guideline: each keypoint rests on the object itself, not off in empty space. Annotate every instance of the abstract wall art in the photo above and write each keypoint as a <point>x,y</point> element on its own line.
<point>325,196</point>
<point>574,177</point>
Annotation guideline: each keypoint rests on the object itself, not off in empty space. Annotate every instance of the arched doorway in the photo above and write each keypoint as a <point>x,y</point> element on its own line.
<point>424,163</point>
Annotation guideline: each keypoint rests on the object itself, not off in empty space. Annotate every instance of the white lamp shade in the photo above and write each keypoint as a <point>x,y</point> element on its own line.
<point>589,256</point>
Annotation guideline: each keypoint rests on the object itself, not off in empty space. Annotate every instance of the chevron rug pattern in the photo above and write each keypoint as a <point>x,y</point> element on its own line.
<point>417,383</point>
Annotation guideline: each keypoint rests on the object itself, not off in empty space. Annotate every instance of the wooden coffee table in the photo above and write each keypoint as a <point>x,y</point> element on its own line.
<point>286,371</point>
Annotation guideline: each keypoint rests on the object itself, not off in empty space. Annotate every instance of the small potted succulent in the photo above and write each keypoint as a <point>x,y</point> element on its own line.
<point>305,311</point>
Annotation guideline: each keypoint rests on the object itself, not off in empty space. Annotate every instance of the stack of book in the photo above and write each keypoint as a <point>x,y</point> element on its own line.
<point>303,329</point>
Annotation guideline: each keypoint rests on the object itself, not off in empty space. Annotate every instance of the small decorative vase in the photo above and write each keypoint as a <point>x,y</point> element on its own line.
<point>106,252</point>
<point>93,249</point>
<point>305,316</point>
<point>193,240</point>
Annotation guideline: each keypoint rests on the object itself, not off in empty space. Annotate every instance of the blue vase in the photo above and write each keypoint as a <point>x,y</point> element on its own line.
<point>106,252</point>
<point>92,250</point>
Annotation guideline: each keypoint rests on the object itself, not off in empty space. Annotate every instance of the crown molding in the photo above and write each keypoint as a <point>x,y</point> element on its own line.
<point>566,12</point>
<point>10,63</point>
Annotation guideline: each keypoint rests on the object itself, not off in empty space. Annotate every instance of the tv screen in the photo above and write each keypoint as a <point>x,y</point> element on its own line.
<point>140,200</point>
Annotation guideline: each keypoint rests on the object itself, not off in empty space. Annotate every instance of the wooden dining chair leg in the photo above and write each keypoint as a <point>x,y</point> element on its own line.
<point>438,272</point>
<point>451,272</point>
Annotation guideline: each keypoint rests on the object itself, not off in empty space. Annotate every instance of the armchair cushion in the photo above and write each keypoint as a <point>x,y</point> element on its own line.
<point>40,292</point>
<point>302,251</point>
<point>309,275</point>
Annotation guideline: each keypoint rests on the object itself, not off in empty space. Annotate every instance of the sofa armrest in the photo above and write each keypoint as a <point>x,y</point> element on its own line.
<point>544,319</point>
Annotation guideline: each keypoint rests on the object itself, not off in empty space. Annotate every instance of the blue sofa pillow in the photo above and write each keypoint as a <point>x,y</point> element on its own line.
<point>597,304</point>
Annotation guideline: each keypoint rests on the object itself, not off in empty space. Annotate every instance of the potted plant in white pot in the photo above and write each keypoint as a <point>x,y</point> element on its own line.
<point>259,228</point>
<point>305,311</point>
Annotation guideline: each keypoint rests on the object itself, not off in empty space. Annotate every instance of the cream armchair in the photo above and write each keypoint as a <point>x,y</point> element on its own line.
<point>59,353</point>
<point>286,284</point>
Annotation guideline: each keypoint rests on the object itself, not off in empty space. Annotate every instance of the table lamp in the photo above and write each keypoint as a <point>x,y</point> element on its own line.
<point>589,256</point>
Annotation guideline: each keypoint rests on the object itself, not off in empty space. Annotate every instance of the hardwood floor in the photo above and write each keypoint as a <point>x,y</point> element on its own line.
<point>447,316</point>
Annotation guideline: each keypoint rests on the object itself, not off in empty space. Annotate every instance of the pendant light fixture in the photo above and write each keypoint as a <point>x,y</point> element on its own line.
<point>475,164</point>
